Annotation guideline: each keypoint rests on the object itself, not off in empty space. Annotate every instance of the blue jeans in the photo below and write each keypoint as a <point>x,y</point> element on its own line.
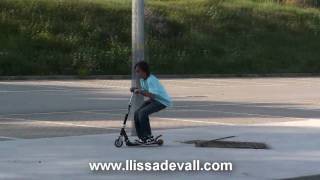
<point>141,117</point>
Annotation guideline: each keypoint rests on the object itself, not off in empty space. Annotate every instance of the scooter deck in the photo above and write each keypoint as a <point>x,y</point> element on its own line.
<point>131,144</point>
<point>158,142</point>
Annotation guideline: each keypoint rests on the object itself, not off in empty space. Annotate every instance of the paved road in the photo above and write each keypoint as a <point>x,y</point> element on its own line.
<point>294,152</point>
<point>37,109</point>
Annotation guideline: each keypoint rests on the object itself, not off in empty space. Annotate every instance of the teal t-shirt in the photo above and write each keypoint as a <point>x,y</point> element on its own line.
<point>153,85</point>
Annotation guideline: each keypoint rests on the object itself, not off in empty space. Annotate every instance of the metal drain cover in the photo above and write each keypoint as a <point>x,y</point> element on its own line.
<point>232,144</point>
<point>218,143</point>
<point>5,139</point>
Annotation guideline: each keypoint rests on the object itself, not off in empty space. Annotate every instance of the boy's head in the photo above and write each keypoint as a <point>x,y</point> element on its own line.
<point>142,69</point>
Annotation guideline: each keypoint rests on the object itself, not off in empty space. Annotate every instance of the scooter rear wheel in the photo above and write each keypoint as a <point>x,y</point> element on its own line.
<point>118,142</point>
<point>160,142</point>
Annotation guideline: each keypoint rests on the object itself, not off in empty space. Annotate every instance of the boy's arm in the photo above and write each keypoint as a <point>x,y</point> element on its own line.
<point>144,93</point>
<point>147,94</point>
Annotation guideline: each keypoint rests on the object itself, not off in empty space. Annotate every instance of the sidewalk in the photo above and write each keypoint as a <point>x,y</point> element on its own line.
<point>294,152</point>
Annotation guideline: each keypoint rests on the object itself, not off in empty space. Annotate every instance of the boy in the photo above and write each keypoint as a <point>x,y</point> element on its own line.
<point>158,100</point>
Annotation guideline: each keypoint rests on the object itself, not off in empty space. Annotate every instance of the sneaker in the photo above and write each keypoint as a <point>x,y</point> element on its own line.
<point>139,141</point>
<point>149,140</point>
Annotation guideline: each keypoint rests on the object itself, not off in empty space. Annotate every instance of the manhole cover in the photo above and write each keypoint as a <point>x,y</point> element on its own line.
<point>232,144</point>
<point>5,139</point>
<point>219,143</point>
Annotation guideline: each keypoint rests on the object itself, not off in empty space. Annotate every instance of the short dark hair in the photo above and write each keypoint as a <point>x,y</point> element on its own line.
<point>144,66</point>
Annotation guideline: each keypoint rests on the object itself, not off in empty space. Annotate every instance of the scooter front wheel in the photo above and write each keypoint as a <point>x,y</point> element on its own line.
<point>118,142</point>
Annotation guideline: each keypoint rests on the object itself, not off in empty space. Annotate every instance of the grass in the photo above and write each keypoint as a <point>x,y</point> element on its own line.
<point>86,37</point>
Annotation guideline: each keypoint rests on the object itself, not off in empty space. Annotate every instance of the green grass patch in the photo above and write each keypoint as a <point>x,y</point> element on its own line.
<point>93,37</point>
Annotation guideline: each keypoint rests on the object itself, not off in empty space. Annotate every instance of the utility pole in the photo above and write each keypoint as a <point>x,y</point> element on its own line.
<point>137,49</point>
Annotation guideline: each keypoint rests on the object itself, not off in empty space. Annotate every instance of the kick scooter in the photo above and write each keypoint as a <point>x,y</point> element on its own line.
<point>123,135</point>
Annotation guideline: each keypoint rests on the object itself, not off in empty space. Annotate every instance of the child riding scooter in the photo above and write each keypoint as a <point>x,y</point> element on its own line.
<point>158,99</point>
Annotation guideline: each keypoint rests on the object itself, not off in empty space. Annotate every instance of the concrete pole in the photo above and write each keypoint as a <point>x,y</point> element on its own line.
<point>137,49</point>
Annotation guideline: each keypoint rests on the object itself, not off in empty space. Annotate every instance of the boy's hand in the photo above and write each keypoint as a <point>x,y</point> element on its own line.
<point>137,91</point>
<point>142,92</point>
<point>133,89</point>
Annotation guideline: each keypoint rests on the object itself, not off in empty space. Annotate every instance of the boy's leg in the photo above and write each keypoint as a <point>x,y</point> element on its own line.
<point>143,116</point>
<point>136,119</point>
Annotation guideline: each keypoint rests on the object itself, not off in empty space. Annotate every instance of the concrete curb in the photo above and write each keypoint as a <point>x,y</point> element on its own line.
<point>166,76</point>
